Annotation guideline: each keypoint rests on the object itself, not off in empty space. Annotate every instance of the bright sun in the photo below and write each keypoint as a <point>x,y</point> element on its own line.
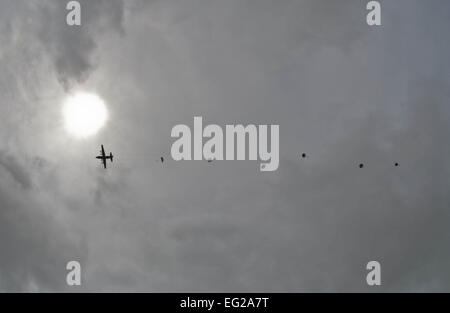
<point>84,114</point>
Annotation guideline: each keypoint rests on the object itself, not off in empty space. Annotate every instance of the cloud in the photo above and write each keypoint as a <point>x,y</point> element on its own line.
<point>342,92</point>
<point>34,238</point>
<point>71,49</point>
<point>16,170</point>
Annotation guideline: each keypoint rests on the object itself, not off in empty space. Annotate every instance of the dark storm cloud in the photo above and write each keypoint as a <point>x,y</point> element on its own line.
<point>342,92</point>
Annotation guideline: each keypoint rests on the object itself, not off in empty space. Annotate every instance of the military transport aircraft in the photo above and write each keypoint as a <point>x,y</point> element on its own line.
<point>104,157</point>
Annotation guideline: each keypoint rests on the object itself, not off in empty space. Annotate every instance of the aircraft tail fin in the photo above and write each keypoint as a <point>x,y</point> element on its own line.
<point>111,156</point>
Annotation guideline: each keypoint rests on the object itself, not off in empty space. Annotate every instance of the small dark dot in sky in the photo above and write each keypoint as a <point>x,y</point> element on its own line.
<point>303,155</point>
<point>396,164</point>
<point>361,165</point>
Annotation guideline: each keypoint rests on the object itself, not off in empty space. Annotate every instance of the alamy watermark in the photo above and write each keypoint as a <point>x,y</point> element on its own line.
<point>250,142</point>
<point>73,277</point>
<point>373,277</point>
<point>374,16</point>
<point>74,15</point>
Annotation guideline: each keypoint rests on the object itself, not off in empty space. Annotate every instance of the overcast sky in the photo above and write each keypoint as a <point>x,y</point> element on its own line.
<point>342,92</point>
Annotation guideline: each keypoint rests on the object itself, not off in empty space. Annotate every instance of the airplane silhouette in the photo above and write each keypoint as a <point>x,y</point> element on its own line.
<point>104,157</point>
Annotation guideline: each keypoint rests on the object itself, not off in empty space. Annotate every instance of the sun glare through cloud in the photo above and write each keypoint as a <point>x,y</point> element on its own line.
<point>84,114</point>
